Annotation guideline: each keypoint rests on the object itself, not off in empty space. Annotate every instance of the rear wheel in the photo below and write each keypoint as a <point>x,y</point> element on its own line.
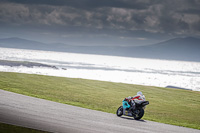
<point>139,114</point>
<point>119,111</point>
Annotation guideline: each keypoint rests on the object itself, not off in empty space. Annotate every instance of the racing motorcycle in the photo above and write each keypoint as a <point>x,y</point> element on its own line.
<point>137,113</point>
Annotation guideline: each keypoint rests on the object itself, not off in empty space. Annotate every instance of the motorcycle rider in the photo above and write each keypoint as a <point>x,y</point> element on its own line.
<point>129,102</point>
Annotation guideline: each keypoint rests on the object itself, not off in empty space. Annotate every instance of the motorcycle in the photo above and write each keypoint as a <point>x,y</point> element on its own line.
<point>137,113</point>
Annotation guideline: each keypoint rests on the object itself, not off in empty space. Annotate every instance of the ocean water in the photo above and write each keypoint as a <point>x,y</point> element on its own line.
<point>150,72</point>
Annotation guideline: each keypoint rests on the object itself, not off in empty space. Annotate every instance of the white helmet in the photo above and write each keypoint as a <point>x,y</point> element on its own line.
<point>139,93</point>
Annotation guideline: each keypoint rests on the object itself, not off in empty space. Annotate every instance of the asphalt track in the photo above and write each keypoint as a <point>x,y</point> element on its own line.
<point>50,116</point>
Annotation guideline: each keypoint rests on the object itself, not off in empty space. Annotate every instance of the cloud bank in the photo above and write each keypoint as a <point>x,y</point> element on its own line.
<point>139,21</point>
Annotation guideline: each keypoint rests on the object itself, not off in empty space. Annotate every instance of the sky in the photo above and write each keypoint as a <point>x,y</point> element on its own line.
<point>100,22</point>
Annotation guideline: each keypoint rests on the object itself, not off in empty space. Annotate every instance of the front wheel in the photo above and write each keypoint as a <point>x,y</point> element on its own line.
<point>119,111</point>
<point>139,114</point>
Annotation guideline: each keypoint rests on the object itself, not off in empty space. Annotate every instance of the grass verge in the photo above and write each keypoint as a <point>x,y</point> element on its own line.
<point>171,106</point>
<point>7,128</point>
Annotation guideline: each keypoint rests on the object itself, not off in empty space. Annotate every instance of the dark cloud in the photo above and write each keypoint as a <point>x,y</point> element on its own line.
<point>125,20</point>
<point>87,4</point>
<point>190,11</point>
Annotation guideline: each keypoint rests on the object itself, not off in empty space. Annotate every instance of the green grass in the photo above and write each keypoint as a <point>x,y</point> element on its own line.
<point>171,106</point>
<point>7,128</point>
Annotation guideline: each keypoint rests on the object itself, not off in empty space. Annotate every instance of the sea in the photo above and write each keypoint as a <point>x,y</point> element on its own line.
<point>149,72</point>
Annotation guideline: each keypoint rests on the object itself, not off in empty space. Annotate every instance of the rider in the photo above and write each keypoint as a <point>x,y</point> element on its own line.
<point>129,101</point>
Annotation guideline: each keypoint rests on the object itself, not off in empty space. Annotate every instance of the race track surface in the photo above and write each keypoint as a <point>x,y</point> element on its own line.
<point>50,116</point>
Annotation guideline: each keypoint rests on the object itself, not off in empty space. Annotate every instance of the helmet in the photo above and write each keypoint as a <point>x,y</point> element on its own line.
<point>139,93</point>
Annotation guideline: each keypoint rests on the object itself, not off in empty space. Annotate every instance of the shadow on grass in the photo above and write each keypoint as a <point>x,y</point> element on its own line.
<point>129,118</point>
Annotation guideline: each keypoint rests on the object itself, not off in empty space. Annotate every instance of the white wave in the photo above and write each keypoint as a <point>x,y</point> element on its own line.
<point>108,68</point>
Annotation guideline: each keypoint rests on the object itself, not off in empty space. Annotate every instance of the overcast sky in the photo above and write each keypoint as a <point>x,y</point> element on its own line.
<point>100,22</point>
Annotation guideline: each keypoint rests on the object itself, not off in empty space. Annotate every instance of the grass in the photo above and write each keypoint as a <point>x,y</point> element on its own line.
<point>171,106</point>
<point>7,128</point>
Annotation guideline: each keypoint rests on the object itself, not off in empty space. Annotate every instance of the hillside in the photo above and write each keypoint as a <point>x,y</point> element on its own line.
<point>178,49</point>
<point>21,43</point>
<point>184,49</point>
<point>167,105</point>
